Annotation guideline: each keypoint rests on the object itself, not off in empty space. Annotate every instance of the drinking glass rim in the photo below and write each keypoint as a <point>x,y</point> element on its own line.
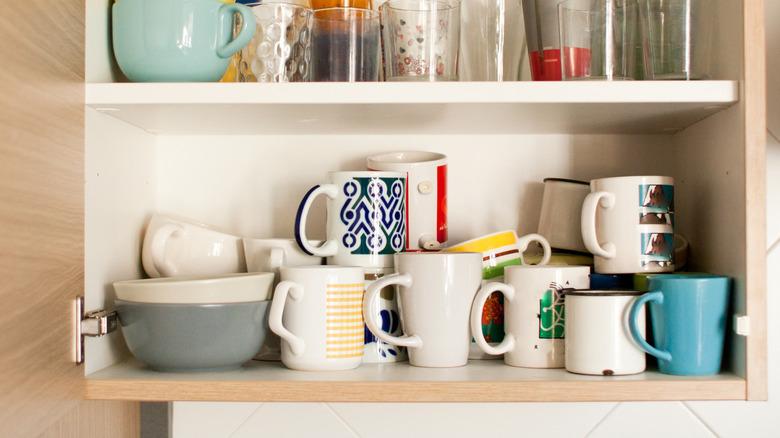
<point>447,5</point>
<point>369,14</point>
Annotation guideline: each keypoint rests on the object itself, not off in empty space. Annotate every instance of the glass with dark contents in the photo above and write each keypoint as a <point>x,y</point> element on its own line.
<point>345,45</point>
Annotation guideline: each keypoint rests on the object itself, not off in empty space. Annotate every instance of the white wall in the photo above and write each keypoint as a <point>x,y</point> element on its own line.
<point>683,419</point>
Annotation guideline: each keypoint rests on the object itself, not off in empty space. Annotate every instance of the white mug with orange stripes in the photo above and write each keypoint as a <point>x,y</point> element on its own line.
<point>317,311</point>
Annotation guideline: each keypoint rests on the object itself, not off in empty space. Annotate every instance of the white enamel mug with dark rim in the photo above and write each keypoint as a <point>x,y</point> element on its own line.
<point>598,337</point>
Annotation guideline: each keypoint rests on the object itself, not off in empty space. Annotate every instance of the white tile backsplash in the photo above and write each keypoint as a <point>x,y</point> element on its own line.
<point>469,420</point>
<point>651,420</point>
<point>293,420</point>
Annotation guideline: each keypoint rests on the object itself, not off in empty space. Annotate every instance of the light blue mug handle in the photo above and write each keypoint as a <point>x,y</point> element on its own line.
<point>227,13</point>
<point>634,326</point>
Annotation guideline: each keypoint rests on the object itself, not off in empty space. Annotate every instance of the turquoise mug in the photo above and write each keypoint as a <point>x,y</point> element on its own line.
<point>689,316</point>
<point>178,40</point>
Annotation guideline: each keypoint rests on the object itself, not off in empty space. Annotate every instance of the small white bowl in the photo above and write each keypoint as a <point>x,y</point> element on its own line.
<point>217,289</point>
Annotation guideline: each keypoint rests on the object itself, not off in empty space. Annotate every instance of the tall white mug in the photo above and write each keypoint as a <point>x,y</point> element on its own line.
<point>366,222</point>
<point>628,224</point>
<point>426,195</point>
<point>317,311</point>
<point>436,291</point>
<point>534,317</point>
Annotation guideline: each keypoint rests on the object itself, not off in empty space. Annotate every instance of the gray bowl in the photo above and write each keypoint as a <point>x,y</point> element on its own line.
<point>194,337</point>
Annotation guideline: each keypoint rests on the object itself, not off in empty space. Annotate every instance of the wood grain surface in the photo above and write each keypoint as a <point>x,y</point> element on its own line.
<point>42,219</point>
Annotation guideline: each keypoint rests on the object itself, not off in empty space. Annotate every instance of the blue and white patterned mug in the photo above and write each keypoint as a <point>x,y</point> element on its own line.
<point>366,221</point>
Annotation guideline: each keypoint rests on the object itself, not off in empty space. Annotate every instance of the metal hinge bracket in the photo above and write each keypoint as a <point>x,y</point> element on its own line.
<point>93,324</point>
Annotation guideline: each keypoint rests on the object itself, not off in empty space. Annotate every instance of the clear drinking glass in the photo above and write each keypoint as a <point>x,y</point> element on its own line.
<point>491,40</point>
<point>421,39</point>
<point>281,48</point>
<point>676,36</point>
<point>598,39</point>
<point>345,45</point>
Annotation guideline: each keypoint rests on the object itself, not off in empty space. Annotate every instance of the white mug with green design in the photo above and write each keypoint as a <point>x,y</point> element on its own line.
<point>499,251</point>
<point>534,317</point>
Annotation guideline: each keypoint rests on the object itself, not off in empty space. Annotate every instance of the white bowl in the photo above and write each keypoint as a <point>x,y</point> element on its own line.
<point>218,289</point>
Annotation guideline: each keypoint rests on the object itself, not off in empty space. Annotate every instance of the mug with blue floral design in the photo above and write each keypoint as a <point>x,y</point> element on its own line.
<point>366,220</point>
<point>386,310</point>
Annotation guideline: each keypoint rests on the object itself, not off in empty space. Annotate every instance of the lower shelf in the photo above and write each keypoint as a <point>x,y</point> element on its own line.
<point>480,381</point>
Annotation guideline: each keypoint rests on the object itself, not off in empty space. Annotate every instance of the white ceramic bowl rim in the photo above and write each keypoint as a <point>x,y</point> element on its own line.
<point>218,289</point>
<point>409,158</point>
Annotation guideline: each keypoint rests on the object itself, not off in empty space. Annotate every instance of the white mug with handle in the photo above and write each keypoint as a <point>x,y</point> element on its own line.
<point>317,311</point>
<point>178,247</point>
<point>628,224</point>
<point>534,314</point>
<point>435,292</point>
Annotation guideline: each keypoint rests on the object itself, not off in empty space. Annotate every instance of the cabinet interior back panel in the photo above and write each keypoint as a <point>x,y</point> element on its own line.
<point>251,185</point>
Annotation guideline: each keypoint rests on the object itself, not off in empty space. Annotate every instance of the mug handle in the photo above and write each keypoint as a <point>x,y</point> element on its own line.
<point>634,326</point>
<point>588,224</point>
<point>295,291</point>
<point>164,267</point>
<point>369,303</point>
<point>330,247</point>
<point>508,344</point>
<point>227,13</point>
<point>526,240</point>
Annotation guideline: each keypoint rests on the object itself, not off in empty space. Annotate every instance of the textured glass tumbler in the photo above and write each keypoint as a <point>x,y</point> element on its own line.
<point>598,39</point>
<point>345,45</point>
<point>421,39</point>
<point>676,36</point>
<point>281,48</point>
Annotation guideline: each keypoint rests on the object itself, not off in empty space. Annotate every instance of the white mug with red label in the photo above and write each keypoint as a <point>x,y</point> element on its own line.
<point>426,195</point>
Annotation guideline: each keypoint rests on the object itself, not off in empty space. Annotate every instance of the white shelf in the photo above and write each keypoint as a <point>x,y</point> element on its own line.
<point>485,380</point>
<point>641,107</point>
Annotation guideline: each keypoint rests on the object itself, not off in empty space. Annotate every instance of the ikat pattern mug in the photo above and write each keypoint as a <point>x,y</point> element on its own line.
<point>366,222</point>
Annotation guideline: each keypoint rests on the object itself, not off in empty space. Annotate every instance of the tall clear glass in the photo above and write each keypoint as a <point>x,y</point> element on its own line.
<point>421,39</point>
<point>676,36</point>
<point>598,39</point>
<point>345,45</point>
<point>491,40</point>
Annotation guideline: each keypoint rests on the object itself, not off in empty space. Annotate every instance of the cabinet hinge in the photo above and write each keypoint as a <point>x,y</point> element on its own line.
<point>94,324</point>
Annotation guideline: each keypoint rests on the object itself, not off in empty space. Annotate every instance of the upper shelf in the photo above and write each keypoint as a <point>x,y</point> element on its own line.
<point>641,107</point>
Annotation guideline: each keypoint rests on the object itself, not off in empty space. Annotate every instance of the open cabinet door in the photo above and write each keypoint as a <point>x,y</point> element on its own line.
<point>42,226</point>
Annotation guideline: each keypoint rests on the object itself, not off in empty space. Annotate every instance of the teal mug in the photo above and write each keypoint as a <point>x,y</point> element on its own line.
<point>689,316</point>
<point>178,40</point>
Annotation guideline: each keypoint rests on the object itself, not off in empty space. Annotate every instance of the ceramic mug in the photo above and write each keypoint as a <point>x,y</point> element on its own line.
<point>435,293</point>
<point>269,255</point>
<point>316,311</point>
<point>689,316</point>
<point>598,340</point>
<point>499,250</point>
<point>178,40</point>
<point>386,311</point>
<point>534,315</point>
<point>559,220</point>
<point>175,247</point>
<point>366,221</point>
<point>426,195</point>
<point>628,224</point>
